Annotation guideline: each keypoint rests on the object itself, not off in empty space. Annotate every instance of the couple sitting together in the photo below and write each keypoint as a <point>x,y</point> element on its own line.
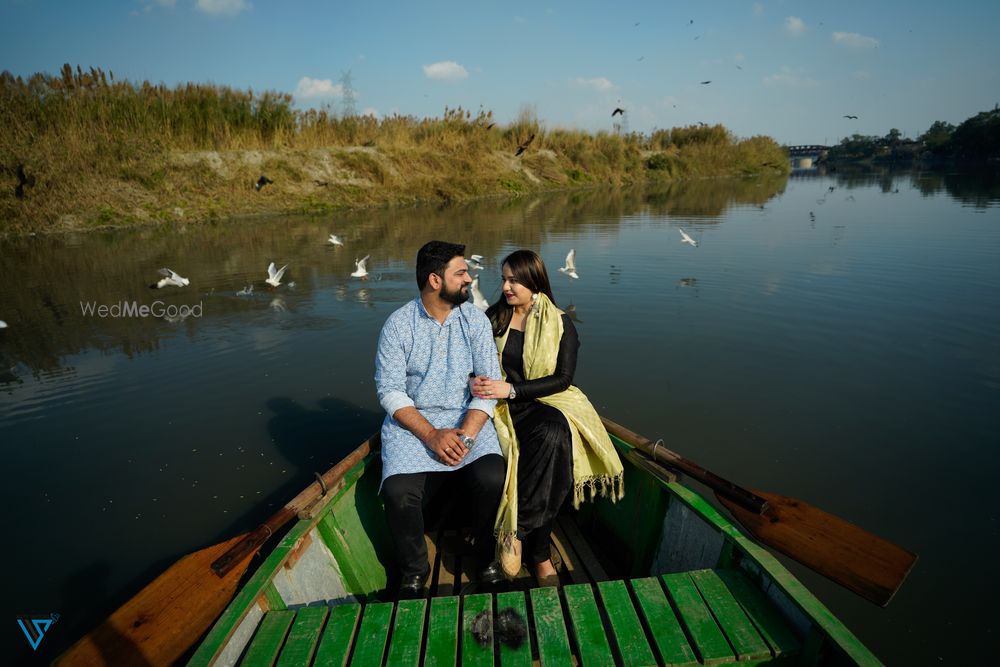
<point>485,401</point>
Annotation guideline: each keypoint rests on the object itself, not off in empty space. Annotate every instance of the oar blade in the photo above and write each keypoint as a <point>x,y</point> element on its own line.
<point>855,558</point>
<point>162,620</point>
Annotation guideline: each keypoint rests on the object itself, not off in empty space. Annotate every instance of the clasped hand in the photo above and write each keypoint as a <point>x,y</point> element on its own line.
<point>484,387</point>
<point>447,445</point>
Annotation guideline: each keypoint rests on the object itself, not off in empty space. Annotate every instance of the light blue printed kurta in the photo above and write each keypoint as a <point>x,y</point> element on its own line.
<point>424,364</point>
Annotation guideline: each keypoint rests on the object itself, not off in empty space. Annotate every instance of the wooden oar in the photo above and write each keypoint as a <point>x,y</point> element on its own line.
<point>861,561</point>
<point>166,617</point>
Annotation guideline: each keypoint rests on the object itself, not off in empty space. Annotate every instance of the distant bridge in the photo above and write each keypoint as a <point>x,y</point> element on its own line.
<point>804,156</point>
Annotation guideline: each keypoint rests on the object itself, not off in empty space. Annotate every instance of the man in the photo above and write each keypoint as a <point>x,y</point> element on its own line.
<point>435,431</point>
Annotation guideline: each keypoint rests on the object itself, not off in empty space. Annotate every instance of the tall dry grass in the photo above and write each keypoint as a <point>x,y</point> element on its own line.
<point>100,149</point>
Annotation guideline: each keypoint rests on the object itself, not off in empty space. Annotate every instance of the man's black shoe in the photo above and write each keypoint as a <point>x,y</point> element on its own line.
<point>492,574</point>
<point>412,587</point>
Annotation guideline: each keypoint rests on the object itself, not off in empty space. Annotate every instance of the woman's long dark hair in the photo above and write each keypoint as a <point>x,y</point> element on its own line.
<point>529,270</point>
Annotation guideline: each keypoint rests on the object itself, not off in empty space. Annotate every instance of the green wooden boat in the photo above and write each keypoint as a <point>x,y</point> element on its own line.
<point>661,577</point>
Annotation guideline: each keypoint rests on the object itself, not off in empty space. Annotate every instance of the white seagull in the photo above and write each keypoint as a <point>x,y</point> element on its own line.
<point>687,239</point>
<point>570,268</point>
<point>3,325</point>
<point>274,277</point>
<point>477,297</point>
<point>169,278</point>
<point>246,291</point>
<point>336,240</point>
<point>360,268</point>
<point>475,262</point>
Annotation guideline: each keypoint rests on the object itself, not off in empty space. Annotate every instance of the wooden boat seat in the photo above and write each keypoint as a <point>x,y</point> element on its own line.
<point>723,619</point>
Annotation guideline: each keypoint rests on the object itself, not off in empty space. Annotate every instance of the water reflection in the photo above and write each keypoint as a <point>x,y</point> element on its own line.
<point>59,276</point>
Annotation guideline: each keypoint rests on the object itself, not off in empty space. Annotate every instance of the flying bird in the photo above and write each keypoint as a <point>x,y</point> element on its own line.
<point>570,268</point>
<point>640,59</point>
<point>336,240</point>
<point>274,277</point>
<point>475,262</point>
<point>851,117</point>
<point>361,268</point>
<point>261,182</point>
<point>705,83</point>
<point>490,126</point>
<point>3,325</point>
<point>618,110</point>
<point>523,147</point>
<point>246,291</point>
<point>169,278</point>
<point>477,297</point>
<point>685,238</point>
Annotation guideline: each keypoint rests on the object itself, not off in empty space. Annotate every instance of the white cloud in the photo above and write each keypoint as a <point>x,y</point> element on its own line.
<point>789,77</point>
<point>448,70</point>
<point>600,84</point>
<point>758,8</point>
<point>855,40</point>
<point>795,25</point>
<point>318,88</point>
<point>222,7</point>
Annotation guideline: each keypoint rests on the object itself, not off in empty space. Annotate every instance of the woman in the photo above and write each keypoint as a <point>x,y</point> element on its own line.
<point>550,434</point>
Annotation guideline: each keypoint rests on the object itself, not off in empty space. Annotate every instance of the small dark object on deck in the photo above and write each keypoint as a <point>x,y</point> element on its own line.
<point>510,628</point>
<point>523,147</point>
<point>618,110</point>
<point>261,182</point>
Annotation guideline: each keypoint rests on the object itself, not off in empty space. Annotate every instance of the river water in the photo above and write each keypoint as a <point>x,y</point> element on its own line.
<point>834,337</point>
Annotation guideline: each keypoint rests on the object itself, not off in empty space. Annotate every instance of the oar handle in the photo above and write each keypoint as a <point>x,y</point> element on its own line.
<point>263,532</point>
<point>656,451</point>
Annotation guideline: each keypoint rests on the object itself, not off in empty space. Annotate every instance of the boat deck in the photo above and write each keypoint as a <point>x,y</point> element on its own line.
<point>702,617</point>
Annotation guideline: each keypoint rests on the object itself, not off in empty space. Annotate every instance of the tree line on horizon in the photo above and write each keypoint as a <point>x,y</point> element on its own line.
<point>976,138</point>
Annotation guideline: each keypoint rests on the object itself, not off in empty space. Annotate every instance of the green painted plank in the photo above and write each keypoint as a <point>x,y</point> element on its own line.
<point>475,654</point>
<point>268,640</point>
<point>708,639</point>
<point>442,633</point>
<point>765,617</point>
<point>742,636</point>
<point>335,644</point>
<point>303,636</point>
<point>520,656</point>
<point>553,643</point>
<point>591,639</point>
<point>343,531</point>
<point>369,649</point>
<point>630,639</point>
<point>407,633</point>
<point>274,600</point>
<point>663,624</point>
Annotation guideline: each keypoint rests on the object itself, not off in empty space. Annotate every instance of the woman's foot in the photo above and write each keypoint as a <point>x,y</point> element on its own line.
<point>545,574</point>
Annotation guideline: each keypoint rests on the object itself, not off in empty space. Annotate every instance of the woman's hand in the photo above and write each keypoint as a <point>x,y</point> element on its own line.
<point>484,387</point>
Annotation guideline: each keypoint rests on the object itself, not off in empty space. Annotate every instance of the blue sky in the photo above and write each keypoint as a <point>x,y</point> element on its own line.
<point>790,70</point>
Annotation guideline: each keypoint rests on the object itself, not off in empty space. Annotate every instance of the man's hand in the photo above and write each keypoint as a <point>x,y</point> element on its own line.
<point>446,445</point>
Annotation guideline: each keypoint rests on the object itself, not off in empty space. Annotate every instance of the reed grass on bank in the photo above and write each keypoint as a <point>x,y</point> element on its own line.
<point>102,151</point>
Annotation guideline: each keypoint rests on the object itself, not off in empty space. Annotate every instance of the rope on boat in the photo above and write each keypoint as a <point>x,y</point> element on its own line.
<point>322,484</point>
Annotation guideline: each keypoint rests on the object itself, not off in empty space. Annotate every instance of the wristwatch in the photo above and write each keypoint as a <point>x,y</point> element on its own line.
<point>513,393</point>
<point>467,441</point>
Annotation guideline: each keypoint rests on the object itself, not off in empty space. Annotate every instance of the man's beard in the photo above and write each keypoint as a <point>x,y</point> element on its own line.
<point>456,298</point>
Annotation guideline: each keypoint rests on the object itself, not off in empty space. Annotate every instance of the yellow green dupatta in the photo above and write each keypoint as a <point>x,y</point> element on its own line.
<point>596,466</point>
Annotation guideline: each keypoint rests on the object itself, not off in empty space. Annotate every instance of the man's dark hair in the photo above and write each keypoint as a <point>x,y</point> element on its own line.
<point>433,257</point>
